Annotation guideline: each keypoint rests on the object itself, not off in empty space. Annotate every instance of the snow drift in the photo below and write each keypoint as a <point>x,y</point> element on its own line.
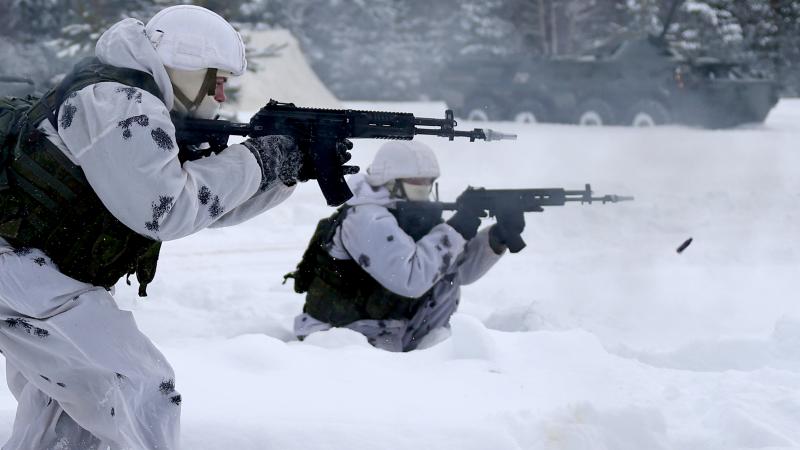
<point>598,336</point>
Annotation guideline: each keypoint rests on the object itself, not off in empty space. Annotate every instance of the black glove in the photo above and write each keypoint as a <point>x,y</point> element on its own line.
<point>343,155</point>
<point>507,232</point>
<point>279,159</point>
<point>466,221</point>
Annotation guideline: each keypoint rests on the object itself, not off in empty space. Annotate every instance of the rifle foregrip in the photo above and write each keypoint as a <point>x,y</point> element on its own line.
<point>329,172</point>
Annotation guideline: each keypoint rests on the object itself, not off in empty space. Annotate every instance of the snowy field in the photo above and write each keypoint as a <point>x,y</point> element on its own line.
<point>598,336</point>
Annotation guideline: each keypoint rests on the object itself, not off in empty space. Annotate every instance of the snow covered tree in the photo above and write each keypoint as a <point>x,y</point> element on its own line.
<point>784,48</point>
<point>484,26</point>
<point>395,48</point>
<point>708,28</point>
<point>31,20</point>
<point>764,34</point>
<point>88,19</point>
<point>29,27</point>
<point>571,26</point>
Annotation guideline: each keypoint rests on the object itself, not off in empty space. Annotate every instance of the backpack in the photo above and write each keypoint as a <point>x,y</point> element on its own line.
<point>340,291</point>
<point>46,201</point>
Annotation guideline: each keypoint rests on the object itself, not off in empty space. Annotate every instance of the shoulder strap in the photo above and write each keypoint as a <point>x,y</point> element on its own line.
<point>87,72</point>
<point>323,236</point>
<point>335,222</point>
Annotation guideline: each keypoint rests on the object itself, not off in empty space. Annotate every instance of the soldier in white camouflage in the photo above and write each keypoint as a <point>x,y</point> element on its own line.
<point>98,184</point>
<point>393,278</point>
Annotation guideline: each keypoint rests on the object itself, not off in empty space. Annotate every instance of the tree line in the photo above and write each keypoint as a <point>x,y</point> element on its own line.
<point>394,49</point>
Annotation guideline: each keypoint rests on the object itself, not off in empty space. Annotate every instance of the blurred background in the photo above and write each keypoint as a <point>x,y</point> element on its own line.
<point>397,50</point>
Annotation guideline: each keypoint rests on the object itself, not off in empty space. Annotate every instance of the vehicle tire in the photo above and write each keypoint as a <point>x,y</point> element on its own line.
<point>531,111</point>
<point>595,112</point>
<point>649,113</point>
<point>481,109</point>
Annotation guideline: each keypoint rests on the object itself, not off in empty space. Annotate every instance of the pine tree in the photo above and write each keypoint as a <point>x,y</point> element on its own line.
<point>88,19</point>
<point>709,28</point>
<point>785,54</point>
<point>395,48</point>
<point>33,20</point>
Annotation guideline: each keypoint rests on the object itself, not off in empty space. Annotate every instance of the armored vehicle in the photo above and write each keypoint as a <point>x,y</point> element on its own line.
<point>639,81</point>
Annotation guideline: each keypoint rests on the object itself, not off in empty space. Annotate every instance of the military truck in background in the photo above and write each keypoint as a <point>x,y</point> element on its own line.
<point>637,81</point>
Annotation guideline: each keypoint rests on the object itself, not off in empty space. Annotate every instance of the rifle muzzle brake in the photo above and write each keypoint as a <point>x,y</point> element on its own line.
<point>492,135</point>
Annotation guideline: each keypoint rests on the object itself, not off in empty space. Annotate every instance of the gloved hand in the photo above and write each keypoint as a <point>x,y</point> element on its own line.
<point>507,232</point>
<point>343,155</point>
<point>279,159</point>
<point>466,220</point>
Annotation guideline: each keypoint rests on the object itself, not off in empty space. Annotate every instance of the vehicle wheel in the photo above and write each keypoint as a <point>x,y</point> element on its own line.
<point>595,112</point>
<point>532,111</point>
<point>649,113</point>
<point>482,109</point>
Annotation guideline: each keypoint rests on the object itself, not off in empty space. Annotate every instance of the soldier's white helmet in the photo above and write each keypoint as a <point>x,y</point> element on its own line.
<point>402,159</point>
<point>196,46</point>
<point>188,37</point>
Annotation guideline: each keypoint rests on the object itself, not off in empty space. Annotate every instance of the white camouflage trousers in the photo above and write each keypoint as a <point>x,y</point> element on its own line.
<point>83,375</point>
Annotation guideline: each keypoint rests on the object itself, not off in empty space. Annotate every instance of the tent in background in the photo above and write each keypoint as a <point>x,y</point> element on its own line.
<point>283,73</point>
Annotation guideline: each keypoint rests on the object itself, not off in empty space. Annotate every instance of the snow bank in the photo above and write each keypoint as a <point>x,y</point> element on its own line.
<point>598,336</point>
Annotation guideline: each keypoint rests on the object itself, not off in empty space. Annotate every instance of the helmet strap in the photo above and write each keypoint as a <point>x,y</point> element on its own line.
<point>207,88</point>
<point>396,189</point>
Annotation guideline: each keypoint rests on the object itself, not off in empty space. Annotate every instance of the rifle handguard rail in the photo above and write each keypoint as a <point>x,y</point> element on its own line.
<point>318,129</point>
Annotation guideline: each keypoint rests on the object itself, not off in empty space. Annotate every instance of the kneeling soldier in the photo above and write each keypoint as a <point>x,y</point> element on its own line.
<point>390,274</point>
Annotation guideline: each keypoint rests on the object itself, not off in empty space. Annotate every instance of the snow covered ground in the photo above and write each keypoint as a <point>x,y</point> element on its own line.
<point>598,336</point>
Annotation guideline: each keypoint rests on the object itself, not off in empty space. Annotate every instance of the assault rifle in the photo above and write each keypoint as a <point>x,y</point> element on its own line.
<point>317,131</point>
<point>499,202</point>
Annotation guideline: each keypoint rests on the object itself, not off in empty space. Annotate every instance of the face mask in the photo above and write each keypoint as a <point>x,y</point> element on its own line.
<point>207,109</point>
<point>417,219</point>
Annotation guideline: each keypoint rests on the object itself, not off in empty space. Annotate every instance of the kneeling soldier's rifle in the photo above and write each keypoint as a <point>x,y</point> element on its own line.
<point>501,202</point>
<point>318,131</point>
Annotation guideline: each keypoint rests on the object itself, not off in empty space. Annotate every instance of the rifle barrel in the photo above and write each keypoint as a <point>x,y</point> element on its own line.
<point>476,134</point>
<point>611,198</point>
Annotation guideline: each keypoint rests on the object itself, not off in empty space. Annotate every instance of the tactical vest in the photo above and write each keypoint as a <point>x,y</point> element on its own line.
<point>47,203</point>
<point>339,291</point>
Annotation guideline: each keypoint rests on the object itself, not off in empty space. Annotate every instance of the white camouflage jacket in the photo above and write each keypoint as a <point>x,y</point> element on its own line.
<point>442,260</point>
<point>371,235</point>
<point>124,141</point>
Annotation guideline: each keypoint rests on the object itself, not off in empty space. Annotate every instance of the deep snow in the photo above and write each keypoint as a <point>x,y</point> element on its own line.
<point>598,336</point>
